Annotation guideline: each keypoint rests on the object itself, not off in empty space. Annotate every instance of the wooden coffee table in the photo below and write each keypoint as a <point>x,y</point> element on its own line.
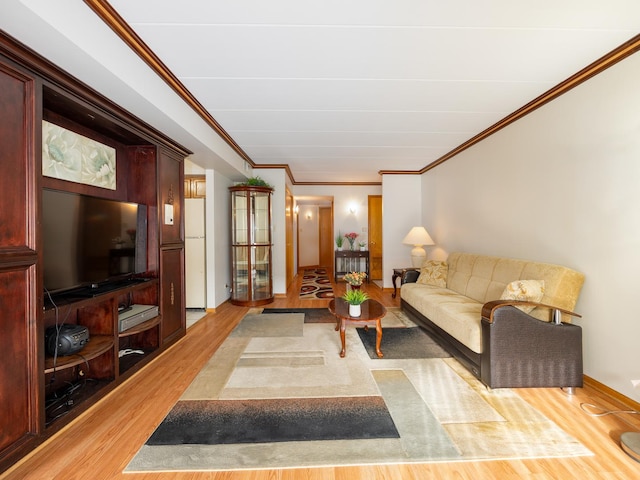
<point>372,313</point>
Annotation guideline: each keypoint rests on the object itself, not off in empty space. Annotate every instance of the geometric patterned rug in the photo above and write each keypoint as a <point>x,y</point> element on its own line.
<point>315,284</point>
<point>311,315</point>
<point>281,383</point>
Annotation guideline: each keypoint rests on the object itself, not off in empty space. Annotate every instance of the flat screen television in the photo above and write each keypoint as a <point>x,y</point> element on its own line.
<point>90,241</point>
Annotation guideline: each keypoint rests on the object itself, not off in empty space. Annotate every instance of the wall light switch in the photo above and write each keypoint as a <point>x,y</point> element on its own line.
<point>168,214</point>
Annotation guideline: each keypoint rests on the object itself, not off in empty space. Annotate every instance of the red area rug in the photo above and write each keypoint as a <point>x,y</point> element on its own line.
<point>316,284</point>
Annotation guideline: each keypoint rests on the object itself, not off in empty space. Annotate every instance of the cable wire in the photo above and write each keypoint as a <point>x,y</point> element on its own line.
<point>602,412</point>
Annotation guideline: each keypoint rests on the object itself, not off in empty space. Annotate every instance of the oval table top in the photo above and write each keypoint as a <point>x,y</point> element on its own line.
<point>370,310</point>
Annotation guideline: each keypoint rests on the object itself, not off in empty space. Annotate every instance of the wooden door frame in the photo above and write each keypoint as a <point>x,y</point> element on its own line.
<point>328,243</point>
<point>289,238</point>
<point>369,197</point>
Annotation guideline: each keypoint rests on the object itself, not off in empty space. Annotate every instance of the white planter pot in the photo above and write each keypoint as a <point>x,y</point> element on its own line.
<point>354,310</point>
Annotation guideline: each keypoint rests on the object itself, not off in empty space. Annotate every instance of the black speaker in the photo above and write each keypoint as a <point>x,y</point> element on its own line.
<point>65,339</point>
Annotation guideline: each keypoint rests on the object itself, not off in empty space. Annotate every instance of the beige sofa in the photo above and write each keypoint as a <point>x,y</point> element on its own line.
<point>501,344</point>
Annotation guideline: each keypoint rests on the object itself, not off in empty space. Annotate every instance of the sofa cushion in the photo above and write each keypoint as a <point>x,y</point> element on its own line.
<point>433,272</point>
<point>525,290</point>
<point>462,320</point>
<point>456,314</point>
<point>484,278</point>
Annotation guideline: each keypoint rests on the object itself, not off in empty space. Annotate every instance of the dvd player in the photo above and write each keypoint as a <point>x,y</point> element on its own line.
<point>135,315</point>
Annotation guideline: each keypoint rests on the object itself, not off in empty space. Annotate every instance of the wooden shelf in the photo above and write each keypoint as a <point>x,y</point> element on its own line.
<point>142,327</point>
<point>98,344</point>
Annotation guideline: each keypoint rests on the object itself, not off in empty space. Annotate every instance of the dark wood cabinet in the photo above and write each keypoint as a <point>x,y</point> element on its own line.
<point>172,307</point>
<point>171,197</point>
<point>20,388</point>
<point>149,172</point>
<point>346,261</point>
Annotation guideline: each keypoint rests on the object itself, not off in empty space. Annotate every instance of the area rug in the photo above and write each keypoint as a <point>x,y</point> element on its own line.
<point>311,315</point>
<point>402,343</point>
<point>395,317</point>
<point>315,284</point>
<point>267,401</point>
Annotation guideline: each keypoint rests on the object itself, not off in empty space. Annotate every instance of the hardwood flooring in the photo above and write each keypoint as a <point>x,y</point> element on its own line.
<point>100,443</point>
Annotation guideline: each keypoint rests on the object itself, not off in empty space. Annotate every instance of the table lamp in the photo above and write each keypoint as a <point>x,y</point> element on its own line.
<point>418,236</point>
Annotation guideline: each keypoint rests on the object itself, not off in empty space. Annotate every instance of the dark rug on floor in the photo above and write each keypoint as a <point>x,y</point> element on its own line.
<point>311,315</point>
<point>315,284</point>
<point>213,422</point>
<point>402,343</point>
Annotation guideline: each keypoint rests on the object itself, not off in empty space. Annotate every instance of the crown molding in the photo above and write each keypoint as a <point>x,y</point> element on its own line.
<point>623,51</point>
<point>112,18</point>
<point>109,15</point>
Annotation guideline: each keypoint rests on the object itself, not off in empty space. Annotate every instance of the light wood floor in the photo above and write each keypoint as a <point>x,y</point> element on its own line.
<point>100,443</point>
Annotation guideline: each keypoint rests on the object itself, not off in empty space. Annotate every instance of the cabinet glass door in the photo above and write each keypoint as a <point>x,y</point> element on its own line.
<point>251,245</point>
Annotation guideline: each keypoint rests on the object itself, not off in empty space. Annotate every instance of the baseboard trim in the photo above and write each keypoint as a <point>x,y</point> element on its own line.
<point>610,392</point>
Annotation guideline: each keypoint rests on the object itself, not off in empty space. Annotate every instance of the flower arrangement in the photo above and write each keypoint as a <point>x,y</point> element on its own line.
<point>339,239</point>
<point>352,238</point>
<point>355,297</point>
<point>355,278</point>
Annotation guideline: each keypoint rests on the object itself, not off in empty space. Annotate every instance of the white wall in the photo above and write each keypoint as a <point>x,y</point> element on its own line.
<point>276,177</point>
<point>191,168</point>
<point>402,207</point>
<point>218,241</point>
<point>561,186</point>
<point>308,236</point>
<point>344,197</point>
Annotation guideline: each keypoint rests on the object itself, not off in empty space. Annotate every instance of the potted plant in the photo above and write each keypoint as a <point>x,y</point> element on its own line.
<point>256,182</point>
<point>355,298</point>
<point>339,240</point>
<point>362,245</point>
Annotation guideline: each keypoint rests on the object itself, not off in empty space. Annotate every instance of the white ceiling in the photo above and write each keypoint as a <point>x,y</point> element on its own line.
<point>338,90</point>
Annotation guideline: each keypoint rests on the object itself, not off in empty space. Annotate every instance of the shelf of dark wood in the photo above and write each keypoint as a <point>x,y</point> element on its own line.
<point>98,344</point>
<point>142,327</point>
<point>129,361</point>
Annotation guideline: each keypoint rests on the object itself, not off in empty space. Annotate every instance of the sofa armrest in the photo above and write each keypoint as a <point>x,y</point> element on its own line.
<point>409,276</point>
<point>489,309</point>
<point>519,350</point>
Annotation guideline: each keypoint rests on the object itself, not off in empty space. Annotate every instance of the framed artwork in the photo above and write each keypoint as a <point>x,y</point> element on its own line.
<point>67,155</point>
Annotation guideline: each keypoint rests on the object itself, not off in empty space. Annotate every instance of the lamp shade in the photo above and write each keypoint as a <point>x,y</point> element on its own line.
<point>418,236</point>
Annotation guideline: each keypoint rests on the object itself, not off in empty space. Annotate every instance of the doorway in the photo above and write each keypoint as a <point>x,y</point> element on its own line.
<point>375,236</point>
<point>314,231</point>
<point>325,220</point>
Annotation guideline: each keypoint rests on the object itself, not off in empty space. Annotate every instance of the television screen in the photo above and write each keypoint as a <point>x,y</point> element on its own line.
<point>90,240</point>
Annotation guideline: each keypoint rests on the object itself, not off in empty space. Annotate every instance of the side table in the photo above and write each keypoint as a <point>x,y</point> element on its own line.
<point>372,313</point>
<point>349,261</point>
<point>399,272</point>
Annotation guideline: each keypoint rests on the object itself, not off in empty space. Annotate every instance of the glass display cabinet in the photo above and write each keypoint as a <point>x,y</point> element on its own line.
<point>251,245</point>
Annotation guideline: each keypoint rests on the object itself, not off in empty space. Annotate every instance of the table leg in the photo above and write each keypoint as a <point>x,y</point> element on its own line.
<point>343,327</point>
<point>393,280</point>
<point>378,338</point>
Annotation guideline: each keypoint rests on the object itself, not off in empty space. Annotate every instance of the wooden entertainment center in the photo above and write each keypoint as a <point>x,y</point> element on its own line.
<point>40,394</point>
